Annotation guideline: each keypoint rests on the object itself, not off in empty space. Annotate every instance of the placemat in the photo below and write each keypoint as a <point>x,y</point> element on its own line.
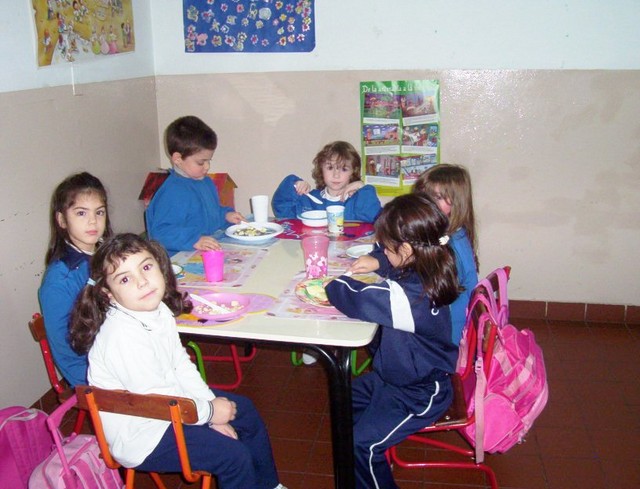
<point>239,263</point>
<point>294,229</point>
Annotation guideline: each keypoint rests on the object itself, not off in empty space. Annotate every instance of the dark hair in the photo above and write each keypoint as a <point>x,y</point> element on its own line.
<point>93,302</point>
<point>345,153</point>
<point>65,196</point>
<point>188,135</point>
<point>416,219</point>
<point>454,184</point>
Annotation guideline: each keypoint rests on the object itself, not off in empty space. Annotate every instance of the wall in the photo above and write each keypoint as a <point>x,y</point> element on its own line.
<point>553,156</point>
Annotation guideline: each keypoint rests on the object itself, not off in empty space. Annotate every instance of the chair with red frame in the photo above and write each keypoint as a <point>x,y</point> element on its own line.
<point>234,358</point>
<point>177,410</point>
<point>459,415</point>
<point>60,387</point>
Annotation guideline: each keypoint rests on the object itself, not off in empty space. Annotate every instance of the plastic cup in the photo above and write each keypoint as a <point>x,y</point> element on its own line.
<point>316,250</point>
<point>260,208</point>
<point>335,219</point>
<point>213,262</point>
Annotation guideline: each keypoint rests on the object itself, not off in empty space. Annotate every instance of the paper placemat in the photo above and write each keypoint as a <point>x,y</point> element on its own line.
<point>294,229</point>
<point>239,263</point>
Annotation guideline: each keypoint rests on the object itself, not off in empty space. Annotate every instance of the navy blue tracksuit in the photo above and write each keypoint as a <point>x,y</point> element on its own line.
<point>409,387</point>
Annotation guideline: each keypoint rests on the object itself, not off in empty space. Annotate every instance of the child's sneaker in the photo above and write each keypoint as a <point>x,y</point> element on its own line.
<point>308,359</point>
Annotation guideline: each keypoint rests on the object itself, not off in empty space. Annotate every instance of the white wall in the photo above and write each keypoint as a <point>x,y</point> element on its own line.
<point>360,35</point>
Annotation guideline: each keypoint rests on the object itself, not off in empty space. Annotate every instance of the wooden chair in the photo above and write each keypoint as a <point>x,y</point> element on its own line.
<point>459,416</point>
<point>177,410</point>
<point>60,387</point>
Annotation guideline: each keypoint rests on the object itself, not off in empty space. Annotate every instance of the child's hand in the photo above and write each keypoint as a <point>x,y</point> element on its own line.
<point>365,264</point>
<point>224,411</point>
<point>225,429</point>
<point>302,187</point>
<point>206,243</point>
<point>234,217</point>
<point>351,189</point>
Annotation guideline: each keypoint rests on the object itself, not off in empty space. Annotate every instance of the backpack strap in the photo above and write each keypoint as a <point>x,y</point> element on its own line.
<point>53,422</point>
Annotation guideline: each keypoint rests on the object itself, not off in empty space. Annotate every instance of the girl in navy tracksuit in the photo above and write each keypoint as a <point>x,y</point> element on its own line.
<point>409,387</point>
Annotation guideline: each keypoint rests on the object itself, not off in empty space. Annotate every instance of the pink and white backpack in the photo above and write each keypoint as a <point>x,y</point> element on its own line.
<point>514,391</point>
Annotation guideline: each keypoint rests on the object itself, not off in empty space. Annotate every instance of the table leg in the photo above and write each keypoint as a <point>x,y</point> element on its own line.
<point>336,360</point>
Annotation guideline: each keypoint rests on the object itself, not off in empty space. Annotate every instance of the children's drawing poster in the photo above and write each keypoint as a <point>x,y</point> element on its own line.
<point>400,132</point>
<point>76,30</point>
<point>249,26</point>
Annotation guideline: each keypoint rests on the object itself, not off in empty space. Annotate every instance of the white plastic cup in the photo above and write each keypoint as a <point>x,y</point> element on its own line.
<point>260,208</point>
<point>335,219</point>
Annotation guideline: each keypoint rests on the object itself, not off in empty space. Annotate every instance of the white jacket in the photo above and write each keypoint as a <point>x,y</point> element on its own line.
<point>141,352</point>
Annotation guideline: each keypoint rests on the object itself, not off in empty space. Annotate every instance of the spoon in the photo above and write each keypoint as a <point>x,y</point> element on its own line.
<point>215,307</point>
<point>314,199</point>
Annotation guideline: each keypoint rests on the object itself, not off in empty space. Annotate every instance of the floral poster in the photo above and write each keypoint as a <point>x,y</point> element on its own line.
<point>76,30</point>
<point>400,132</point>
<point>249,26</point>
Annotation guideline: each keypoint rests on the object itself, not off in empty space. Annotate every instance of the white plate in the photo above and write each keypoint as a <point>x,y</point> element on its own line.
<point>177,269</point>
<point>359,250</point>
<point>273,228</point>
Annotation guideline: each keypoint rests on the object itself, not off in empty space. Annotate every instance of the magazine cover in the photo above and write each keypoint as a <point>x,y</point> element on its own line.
<point>400,132</point>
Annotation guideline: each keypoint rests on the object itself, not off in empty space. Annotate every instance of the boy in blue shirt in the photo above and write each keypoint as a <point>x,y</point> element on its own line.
<point>186,210</point>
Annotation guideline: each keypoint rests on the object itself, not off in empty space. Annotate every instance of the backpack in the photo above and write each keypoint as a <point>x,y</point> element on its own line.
<point>25,441</point>
<point>75,463</point>
<point>512,394</point>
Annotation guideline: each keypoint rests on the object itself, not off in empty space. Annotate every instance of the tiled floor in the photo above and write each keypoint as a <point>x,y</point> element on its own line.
<point>588,437</point>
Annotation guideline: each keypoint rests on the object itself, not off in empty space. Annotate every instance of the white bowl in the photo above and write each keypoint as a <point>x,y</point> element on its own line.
<point>314,219</point>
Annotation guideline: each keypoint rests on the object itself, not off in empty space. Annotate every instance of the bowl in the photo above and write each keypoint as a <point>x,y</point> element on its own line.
<point>314,219</point>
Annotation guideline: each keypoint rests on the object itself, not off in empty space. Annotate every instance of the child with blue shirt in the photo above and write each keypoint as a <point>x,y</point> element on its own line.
<point>336,174</point>
<point>410,386</point>
<point>185,211</point>
<point>450,187</point>
<point>79,221</point>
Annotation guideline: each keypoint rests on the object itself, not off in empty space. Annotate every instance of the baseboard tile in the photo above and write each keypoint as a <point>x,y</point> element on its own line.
<point>578,312</point>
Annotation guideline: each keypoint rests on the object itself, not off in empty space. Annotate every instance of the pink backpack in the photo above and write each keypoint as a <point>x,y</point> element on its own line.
<point>75,463</point>
<point>514,391</point>
<point>25,441</point>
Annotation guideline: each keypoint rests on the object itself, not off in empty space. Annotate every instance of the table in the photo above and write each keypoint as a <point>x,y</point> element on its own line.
<point>332,340</point>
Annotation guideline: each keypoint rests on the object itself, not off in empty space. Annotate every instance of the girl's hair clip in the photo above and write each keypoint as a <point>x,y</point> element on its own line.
<point>90,281</point>
<point>444,240</point>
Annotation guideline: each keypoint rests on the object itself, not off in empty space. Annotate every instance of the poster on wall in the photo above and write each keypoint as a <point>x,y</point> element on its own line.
<point>68,31</point>
<point>400,132</point>
<point>248,26</point>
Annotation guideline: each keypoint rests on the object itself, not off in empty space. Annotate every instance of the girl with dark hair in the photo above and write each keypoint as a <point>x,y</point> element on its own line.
<point>79,221</point>
<point>125,320</point>
<point>409,387</point>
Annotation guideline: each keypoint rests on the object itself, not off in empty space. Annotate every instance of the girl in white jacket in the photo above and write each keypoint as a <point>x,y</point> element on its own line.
<point>124,318</point>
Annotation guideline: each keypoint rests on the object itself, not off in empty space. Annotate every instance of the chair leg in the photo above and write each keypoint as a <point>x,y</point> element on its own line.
<point>199,362</point>
<point>236,360</point>
<point>355,370</point>
<point>157,480</point>
<point>295,359</point>
<point>82,414</point>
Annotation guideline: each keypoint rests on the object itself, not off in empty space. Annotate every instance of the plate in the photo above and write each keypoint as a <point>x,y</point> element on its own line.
<point>307,291</point>
<point>237,305</point>
<point>359,250</point>
<point>177,269</point>
<point>272,230</point>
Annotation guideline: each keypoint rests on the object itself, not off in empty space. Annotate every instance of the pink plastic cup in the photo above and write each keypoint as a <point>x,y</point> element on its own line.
<point>213,262</point>
<point>316,250</point>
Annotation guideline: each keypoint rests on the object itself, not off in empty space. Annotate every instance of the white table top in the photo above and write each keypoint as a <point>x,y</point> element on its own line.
<point>271,277</point>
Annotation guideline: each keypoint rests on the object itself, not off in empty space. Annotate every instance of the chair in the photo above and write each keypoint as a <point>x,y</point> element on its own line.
<point>177,410</point>
<point>458,416</point>
<point>235,358</point>
<point>59,385</point>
